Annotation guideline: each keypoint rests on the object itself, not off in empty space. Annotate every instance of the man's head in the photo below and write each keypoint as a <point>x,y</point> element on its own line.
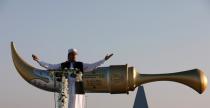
<point>72,53</point>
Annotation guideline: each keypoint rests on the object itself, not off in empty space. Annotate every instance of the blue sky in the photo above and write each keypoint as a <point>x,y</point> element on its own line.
<point>154,36</point>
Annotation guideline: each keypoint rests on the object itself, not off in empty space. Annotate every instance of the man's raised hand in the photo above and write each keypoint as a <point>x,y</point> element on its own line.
<point>108,56</point>
<point>35,58</point>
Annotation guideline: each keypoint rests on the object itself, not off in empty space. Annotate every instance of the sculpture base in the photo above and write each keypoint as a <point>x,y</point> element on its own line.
<point>140,101</point>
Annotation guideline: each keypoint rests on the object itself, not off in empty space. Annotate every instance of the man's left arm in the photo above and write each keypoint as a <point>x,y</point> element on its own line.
<point>90,67</point>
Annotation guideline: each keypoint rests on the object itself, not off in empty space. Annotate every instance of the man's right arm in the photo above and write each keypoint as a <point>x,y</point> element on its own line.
<point>46,65</point>
<point>49,66</point>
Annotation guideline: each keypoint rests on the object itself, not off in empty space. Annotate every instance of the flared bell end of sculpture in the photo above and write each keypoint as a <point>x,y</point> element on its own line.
<point>195,79</point>
<point>204,81</point>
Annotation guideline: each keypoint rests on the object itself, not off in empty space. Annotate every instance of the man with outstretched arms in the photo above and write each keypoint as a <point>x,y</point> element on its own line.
<point>76,100</point>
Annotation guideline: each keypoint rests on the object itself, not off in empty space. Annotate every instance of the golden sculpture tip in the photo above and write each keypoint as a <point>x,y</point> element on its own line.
<point>204,82</point>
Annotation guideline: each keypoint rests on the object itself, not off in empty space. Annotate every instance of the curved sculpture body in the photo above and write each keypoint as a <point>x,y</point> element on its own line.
<point>112,79</point>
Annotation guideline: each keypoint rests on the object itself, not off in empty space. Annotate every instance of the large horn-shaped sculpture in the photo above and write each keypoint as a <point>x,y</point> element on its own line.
<point>112,79</point>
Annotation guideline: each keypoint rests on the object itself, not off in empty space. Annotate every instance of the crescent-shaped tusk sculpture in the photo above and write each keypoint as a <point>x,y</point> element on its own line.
<point>113,79</point>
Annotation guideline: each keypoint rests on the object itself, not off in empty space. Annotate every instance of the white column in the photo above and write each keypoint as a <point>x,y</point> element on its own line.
<point>63,95</point>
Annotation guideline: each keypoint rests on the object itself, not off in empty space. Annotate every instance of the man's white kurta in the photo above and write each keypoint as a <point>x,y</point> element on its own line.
<point>75,100</point>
